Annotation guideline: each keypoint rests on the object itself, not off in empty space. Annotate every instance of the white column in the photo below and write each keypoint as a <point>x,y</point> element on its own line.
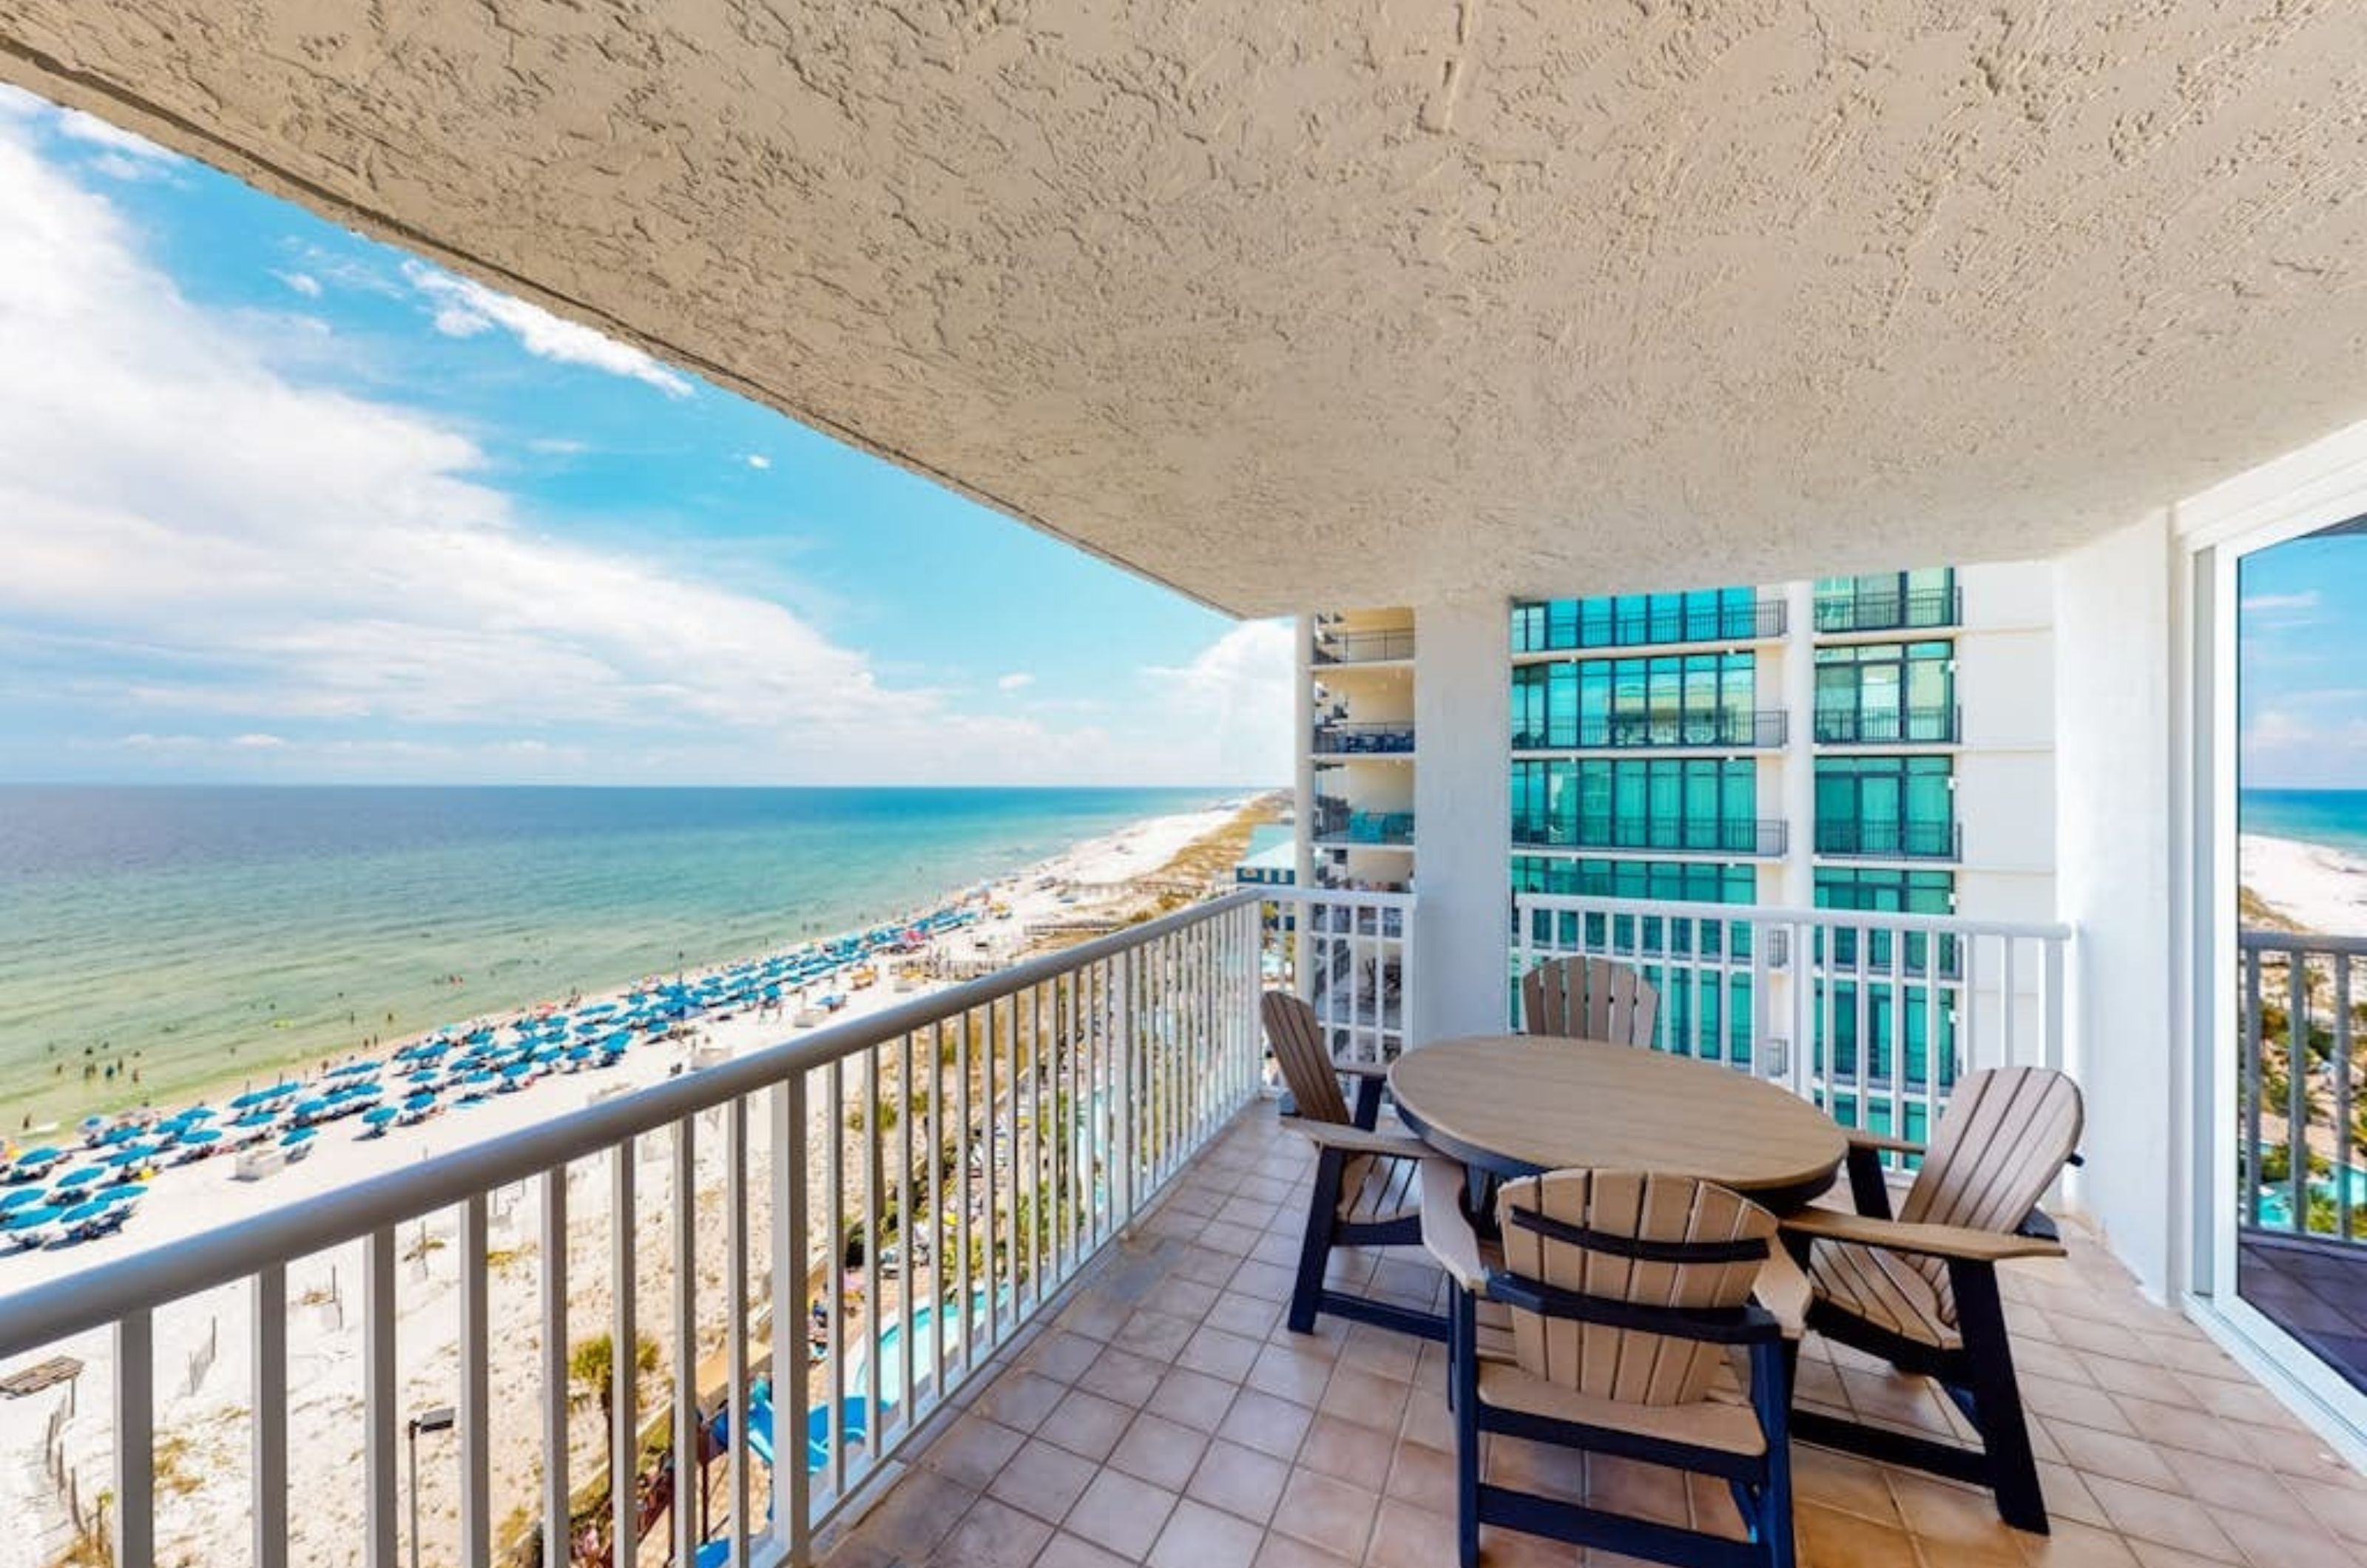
<point>2113,616</point>
<point>1463,818</point>
<point>1798,801</point>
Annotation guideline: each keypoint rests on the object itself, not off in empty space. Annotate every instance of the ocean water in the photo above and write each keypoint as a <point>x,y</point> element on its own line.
<point>217,931</point>
<point>2334,817</point>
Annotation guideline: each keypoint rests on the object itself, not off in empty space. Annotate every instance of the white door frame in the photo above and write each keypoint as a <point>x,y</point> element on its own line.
<point>2314,487</point>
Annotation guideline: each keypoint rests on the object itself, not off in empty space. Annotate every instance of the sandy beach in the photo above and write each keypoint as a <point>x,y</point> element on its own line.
<point>2315,888</point>
<point>59,1442</point>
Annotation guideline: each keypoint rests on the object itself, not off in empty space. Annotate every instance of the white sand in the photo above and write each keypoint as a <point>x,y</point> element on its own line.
<point>203,1370</point>
<point>2318,889</point>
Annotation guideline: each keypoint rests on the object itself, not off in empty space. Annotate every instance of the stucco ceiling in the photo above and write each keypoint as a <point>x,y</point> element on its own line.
<point>1292,305</point>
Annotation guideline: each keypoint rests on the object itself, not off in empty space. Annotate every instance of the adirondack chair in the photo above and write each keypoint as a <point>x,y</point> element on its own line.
<point>1589,998</point>
<point>1368,1190</point>
<point>1626,1295</point>
<point>1920,1289</point>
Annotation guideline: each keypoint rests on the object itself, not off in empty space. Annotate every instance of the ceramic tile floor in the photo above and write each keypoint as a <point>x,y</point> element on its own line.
<point>1164,1415</point>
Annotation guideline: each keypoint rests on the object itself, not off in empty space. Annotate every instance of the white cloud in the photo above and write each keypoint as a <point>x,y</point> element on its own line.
<point>1017,681</point>
<point>1234,704</point>
<point>93,132</point>
<point>558,447</point>
<point>296,562</point>
<point>465,308</point>
<point>758,460</point>
<point>17,104</point>
<point>2271,603</point>
<point>303,283</point>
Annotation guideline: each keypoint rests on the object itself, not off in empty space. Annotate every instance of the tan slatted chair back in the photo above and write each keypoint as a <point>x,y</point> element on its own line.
<point>2000,1143</point>
<point>1626,1364</point>
<point>1589,998</point>
<point>1305,1059</point>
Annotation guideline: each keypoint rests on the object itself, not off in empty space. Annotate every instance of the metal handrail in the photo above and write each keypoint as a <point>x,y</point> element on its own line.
<point>96,1297</point>
<point>1946,925</point>
<point>1757,729</point>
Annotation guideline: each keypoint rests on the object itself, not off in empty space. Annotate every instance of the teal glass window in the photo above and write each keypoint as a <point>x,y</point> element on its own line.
<point>1632,620</point>
<point>1887,807</point>
<point>1695,699</point>
<point>1690,803</point>
<point>1887,599</point>
<point>1886,694</point>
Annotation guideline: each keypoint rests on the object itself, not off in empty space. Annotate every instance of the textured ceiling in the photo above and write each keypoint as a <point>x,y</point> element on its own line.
<point>1309,304</point>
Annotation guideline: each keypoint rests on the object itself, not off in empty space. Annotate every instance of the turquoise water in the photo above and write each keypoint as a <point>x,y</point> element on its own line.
<point>2336,818</point>
<point>218,931</point>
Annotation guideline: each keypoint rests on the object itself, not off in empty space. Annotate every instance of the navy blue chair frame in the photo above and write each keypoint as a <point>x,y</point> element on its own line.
<point>1761,1483</point>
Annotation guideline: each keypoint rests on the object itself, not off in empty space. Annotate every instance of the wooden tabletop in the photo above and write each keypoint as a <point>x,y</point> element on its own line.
<point>1518,1104</point>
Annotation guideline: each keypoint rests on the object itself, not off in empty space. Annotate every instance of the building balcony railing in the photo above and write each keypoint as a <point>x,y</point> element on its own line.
<point>1846,1007</point>
<point>1889,727</point>
<point>980,1147</point>
<point>1855,838</point>
<point>1362,828</point>
<point>1727,836</point>
<point>1384,738</point>
<point>1883,611</point>
<point>1362,648</point>
<point>1757,620</point>
<point>2302,1161</point>
<point>1762,728</point>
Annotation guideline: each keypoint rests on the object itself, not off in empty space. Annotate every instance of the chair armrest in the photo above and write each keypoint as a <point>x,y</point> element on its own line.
<point>1356,1140</point>
<point>1924,1240</point>
<point>1863,1140</point>
<point>1445,1230</point>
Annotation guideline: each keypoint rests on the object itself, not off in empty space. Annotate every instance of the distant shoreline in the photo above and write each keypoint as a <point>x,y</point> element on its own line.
<point>2316,888</point>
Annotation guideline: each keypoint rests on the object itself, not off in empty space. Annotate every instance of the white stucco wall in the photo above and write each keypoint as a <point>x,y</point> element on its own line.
<point>2113,847</point>
<point>1463,818</point>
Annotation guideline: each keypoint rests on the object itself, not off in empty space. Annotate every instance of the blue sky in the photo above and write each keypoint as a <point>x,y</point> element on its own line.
<point>2302,695</point>
<point>283,504</point>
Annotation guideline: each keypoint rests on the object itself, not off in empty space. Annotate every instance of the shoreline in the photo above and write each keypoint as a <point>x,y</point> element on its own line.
<point>2317,888</point>
<point>1103,866</point>
<point>202,1347</point>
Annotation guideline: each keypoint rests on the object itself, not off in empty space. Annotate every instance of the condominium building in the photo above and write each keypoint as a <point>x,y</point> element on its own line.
<point>1879,742</point>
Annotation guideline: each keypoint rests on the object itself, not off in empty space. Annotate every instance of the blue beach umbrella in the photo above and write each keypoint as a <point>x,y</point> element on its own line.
<point>257,1119</point>
<point>299,1137</point>
<point>352,1068</point>
<point>419,1102</point>
<point>27,1219</point>
<point>19,1199</point>
<point>130,1192</point>
<point>89,1175</point>
<point>131,1155</point>
<point>82,1212</point>
<point>202,1137</point>
<point>380,1115</point>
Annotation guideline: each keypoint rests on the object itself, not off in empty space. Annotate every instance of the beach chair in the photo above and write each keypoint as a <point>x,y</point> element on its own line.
<point>1921,1290</point>
<point>1589,998</point>
<point>1631,1332</point>
<point>1366,1180</point>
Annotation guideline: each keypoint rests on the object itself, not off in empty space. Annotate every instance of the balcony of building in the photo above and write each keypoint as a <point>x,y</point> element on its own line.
<point>1379,738</point>
<point>1721,730</point>
<point>1938,725</point>
<point>1493,359</point>
<point>1856,838</point>
<point>1764,838</point>
<point>1646,620</point>
<point>1085,1150</point>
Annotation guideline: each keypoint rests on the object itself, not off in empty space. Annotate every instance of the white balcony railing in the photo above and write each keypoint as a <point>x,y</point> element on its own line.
<point>1874,1016</point>
<point>1023,1119</point>
<point>2304,1169</point>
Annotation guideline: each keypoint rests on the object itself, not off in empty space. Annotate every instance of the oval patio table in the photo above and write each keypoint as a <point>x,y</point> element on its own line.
<point>1513,1105</point>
